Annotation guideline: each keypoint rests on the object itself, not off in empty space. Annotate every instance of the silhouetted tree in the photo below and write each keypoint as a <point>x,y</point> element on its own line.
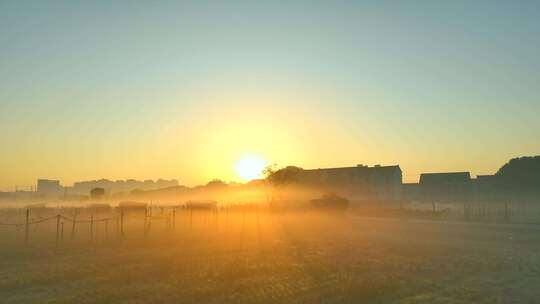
<point>269,170</point>
<point>520,173</point>
<point>287,175</point>
<point>216,183</point>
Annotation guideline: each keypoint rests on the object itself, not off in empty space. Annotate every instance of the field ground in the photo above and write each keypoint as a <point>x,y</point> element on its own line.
<point>276,258</point>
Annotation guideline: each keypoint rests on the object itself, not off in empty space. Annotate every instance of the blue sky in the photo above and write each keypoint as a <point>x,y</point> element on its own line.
<point>152,89</point>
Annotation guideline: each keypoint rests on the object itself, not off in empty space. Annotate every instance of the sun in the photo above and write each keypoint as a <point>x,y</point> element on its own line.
<point>250,167</point>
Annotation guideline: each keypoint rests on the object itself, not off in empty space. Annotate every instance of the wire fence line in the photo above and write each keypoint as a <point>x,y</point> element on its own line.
<point>60,219</point>
<point>91,219</point>
<point>30,223</point>
<point>166,215</point>
<point>55,217</point>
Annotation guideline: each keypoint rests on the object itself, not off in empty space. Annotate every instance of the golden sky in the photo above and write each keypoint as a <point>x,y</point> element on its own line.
<point>168,90</point>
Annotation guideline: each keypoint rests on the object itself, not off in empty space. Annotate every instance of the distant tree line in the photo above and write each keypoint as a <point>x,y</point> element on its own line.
<point>522,173</point>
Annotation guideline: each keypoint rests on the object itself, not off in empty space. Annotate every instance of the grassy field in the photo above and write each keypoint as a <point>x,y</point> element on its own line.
<point>294,257</point>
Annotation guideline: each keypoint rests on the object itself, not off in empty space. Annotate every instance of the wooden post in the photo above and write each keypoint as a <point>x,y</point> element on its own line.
<point>92,227</point>
<point>73,226</point>
<point>122,222</point>
<point>62,232</point>
<point>57,228</point>
<point>27,226</point>
<point>117,226</point>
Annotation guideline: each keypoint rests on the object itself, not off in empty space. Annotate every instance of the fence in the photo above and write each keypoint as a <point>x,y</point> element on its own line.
<point>61,221</point>
<point>67,222</point>
<point>168,215</point>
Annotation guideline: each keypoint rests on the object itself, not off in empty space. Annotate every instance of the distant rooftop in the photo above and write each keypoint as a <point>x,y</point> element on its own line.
<point>444,178</point>
<point>360,166</point>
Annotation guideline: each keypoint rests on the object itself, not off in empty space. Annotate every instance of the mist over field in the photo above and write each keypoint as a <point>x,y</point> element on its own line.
<point>259,255</point>
<point>269,152</point>
<point>330,235</point>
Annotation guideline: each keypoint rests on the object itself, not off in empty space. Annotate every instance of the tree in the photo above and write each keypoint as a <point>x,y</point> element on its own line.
<point>216,183</point>
<point>287,175</point>
<point>269,170</point>
<point>520,173</point>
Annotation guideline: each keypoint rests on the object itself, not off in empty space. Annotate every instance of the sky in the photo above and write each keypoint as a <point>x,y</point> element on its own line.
<point>172,89</point>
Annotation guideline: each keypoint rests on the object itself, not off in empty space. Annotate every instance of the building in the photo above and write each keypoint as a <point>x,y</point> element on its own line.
<point>377,182</point>
<point>447,178</point>
<point>446,186</point>
<point>119,186</point>
<point>48,187</point>
<point>376,175</point>
<point>97,193</point>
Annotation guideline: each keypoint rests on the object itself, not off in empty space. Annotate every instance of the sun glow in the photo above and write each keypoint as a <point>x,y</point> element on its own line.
<point>250,167</point>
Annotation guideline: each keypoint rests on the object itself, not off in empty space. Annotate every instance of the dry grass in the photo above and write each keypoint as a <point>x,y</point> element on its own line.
<point>276,258</point>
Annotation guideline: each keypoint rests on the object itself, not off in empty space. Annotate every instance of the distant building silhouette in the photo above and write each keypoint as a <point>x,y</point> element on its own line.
<point>447,178</point>
<point>97,193</point>
<point>377,182</point>
<point>373,177</point>
<point>49,187</point>
<point>126,186</point>
<point>485,178</point>
<point>445,186</point>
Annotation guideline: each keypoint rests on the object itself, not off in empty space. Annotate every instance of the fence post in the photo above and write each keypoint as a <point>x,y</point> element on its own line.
<point>149,223</point>
<point>26,226</point>
<point>117,221</point>
<point>57,228</point>
<point>122,222</point>
<point>73,226</point>
<point>62,232</point>
<point>92,227</point>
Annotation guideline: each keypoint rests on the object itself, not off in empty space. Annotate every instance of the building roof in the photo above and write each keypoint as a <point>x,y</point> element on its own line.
<point>353,173</point>
<point>444,178</point>
<point>359,168</point>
